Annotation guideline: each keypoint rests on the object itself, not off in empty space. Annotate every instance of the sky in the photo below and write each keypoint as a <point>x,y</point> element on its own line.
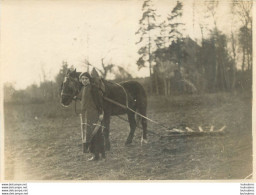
<point>37,36</point>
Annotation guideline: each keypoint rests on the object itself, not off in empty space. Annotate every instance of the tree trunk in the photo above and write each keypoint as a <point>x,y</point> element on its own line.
<point>233,76</point>
<point>216,73</point>
<point>243,63</point>
<point>168,87</point>
<point>149,60</point>
<point>156,83</point>
<point>248,59</point>
<point>233,68</point>
<point>165,87</point>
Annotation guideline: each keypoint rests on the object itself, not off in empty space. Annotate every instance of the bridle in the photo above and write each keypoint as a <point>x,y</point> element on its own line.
<point>76,88</point>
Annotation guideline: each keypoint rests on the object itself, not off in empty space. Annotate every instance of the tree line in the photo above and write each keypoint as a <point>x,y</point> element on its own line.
<point>49,90</point>
<point>178,64</point>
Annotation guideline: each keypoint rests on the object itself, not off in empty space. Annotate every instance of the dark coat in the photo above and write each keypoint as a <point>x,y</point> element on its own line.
<point>91,107</point>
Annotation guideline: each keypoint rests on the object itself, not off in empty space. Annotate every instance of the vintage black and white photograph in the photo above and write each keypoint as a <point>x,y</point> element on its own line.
<point>133,90</point>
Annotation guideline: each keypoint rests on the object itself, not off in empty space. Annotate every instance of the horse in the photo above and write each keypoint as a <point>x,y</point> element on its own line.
<point>119,98</point>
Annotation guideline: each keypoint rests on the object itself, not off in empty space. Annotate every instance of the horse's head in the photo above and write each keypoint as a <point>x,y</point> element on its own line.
<point>70,87</point>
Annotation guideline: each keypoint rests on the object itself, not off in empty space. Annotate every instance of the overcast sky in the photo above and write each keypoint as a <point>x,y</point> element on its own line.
<point>37,36</point>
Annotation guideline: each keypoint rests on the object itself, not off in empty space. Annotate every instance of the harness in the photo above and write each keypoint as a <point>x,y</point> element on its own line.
<point>119,104</point>
<point>76,90</point>
<point>116,103</point>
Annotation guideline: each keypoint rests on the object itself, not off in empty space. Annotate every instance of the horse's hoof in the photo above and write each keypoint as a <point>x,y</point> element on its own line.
<point>93,158</point>
<point>143,141</point>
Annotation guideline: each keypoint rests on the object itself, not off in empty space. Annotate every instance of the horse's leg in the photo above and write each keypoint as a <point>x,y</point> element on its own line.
<point>106,122</point>
<point>143,111</point>
<point>102,144</point>
<point>144,132</point>
<point>132,122</point>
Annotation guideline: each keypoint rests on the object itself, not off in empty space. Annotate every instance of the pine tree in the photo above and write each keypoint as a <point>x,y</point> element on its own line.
<point>174,25</point>
<point>171,29</point>
<point>147,25</point>
<point>170,34</point>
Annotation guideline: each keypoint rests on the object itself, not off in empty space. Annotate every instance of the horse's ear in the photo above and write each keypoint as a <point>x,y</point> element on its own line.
<point>94,73</point>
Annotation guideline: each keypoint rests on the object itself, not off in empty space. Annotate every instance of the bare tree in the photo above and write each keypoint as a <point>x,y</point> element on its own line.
<point>243,10</point>
<point>105,68</point>
<point>212,7</point>
<point>121,74</point>
<point>233,46</point>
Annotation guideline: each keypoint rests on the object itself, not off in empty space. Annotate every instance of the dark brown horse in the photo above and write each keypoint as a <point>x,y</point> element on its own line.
<point>130,93</point>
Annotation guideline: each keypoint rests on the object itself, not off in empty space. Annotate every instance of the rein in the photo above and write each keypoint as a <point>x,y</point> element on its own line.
<point>75,108</point>
<point>76,87</point>
<point>127,107</point>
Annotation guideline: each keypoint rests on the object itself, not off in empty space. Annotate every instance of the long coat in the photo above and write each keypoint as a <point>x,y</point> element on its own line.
<point>90,116</point>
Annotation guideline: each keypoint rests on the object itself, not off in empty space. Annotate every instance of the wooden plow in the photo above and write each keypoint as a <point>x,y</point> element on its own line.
<point>172,132</point>
<point>175,132</point>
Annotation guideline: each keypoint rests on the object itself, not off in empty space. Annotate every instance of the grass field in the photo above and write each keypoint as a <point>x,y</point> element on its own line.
<point>43,142</point>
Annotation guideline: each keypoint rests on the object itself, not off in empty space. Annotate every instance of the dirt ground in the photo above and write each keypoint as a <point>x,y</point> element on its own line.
<point>43,142</point>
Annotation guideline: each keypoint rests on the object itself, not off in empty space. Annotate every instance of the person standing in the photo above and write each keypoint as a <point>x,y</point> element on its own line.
<point>91,117</point>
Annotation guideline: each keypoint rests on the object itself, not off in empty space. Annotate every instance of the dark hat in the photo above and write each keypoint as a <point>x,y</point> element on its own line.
<point>85,74</point>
